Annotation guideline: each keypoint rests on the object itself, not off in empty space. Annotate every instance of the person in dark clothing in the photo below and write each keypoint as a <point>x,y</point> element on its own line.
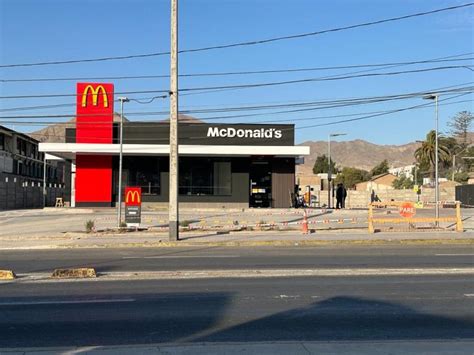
<point>339,196</point>
<point>344,195</point>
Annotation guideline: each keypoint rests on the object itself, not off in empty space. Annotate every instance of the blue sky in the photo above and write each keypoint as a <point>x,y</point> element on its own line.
<point>34,31</point>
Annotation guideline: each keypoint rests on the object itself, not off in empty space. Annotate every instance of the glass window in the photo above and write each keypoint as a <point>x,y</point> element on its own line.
<point>201,176</point>
<point>149,182</point>
<point>143,172</point>
<point>2,141</point>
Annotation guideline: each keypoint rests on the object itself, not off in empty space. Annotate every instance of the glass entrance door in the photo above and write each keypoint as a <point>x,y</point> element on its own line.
<point>260,184</point>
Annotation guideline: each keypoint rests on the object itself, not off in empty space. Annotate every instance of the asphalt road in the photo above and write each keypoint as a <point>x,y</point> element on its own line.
<point>217,258</point>
<point>354,309</point>
<point>237,310</point>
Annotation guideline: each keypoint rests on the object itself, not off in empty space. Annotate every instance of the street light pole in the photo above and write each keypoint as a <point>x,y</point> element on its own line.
<point>119,212</point>
<point>435,97</point>
<point>330,167</point>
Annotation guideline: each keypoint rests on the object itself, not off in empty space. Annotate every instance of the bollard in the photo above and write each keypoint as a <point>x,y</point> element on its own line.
<point>305,229</point>
<point>371,216</point>
<point>459,226</point>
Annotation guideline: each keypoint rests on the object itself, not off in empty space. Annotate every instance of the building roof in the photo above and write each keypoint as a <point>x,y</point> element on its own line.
<point>22,135</point>
<point>378,177</point>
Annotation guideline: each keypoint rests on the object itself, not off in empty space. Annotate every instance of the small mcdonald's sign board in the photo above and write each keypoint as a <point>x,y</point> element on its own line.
<point>133,206</point>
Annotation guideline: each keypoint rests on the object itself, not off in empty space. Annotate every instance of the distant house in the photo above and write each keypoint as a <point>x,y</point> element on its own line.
<point>406,171</point>
<point>377,183</point>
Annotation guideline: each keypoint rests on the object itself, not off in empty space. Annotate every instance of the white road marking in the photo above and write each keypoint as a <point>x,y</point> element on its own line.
<point>469,294</point>
<point>34,303</point>
<point>454,254</point>
<point>179,256</point>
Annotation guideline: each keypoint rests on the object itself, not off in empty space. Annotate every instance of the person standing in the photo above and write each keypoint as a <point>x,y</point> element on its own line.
<point>372,196</point>
<point>344,195</point>
<point>339,196</point>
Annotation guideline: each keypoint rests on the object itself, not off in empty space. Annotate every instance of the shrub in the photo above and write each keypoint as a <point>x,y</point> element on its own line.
<point>184,223</point>
<point>90,226</point>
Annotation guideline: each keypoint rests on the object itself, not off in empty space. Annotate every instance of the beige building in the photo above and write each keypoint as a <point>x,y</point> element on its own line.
<point>377,183</point>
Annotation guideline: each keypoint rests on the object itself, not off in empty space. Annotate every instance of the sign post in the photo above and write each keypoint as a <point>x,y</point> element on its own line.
<point>133,206</point>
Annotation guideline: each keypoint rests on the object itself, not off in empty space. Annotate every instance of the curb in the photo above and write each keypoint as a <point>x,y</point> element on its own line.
<point>76,273</point>
<point>7,275</point>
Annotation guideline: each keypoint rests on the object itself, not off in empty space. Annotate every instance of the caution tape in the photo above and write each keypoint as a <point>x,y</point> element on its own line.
<point>204,225</point>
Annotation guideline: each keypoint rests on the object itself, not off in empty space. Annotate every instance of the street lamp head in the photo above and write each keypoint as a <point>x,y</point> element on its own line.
<point>430,97</point>
<point>123,99</point>
<point>337,134</point>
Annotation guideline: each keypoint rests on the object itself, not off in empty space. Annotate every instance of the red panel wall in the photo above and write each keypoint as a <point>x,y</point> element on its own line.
<point>94,124</point>
<point>93,178</point>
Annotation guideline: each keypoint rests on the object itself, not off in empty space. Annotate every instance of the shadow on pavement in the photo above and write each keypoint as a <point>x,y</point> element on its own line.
<point>347,318</point>
<point>201,317</point>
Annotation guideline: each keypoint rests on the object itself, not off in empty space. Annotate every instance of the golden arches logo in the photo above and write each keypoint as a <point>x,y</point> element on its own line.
<point>95,95</point>
<point>131,196</point>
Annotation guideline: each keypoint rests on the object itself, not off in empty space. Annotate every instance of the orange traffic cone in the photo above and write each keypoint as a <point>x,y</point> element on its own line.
<point>305,229</point>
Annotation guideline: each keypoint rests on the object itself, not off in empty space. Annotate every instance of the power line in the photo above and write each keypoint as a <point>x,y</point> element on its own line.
<point>255,85</point>
<point>248,72</point>
<point>288,82</point>
<point>146,123</point>
<point>375,115</point>
<point>313,105</point>
<point>248,43</point>
<point>383,113</point>
<point>277,121</point>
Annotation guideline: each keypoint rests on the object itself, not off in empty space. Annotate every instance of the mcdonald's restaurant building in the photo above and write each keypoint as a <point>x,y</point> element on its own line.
<point>220,165</point>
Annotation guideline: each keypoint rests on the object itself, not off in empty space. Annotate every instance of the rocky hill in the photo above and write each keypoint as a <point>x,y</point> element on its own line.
<point>359,154</point>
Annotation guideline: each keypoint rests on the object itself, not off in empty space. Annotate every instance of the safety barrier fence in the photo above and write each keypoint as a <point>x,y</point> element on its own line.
<point>230,224</point>
<point>380,216</point>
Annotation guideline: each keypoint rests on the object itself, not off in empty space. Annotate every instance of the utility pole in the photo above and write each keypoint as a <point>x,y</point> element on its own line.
<point>173,175</point>
<point>44,180</point>
<point>435,98</point>
<point>329,171</point>
<point>436,163</point>
<point>454,167</point>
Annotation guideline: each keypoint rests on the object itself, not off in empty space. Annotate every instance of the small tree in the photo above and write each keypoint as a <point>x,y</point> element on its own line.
<point>460,125</point>
<point>461,177</point>
<point>351,176</point>
<point>381,168</point>
<point>321,165</point>
<point>403,183</point>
